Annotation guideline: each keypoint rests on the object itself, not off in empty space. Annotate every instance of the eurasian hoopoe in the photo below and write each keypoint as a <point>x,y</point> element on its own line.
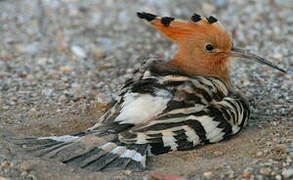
<point>175,105</point>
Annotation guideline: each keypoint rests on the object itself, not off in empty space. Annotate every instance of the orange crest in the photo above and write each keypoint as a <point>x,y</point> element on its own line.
<point>197,30</point>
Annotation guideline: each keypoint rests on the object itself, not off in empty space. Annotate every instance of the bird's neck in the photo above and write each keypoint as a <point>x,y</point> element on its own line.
<point>219,68</point>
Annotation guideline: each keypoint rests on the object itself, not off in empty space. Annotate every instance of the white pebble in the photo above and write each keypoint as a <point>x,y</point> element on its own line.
<point>78,51</point>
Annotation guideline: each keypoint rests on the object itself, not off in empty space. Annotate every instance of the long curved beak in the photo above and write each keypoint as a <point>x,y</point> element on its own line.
<point>237,52</point>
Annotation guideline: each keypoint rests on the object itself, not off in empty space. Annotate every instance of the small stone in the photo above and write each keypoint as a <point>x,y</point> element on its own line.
<point>5,107</point>
<point>62,99</point>
<point>208,174</point>
<point>289,160</point>
<point>13,98</point>
<point>44,60</point>
<point>104,66</point>
<point>273,173</point>
<point>65,68</point>
<point>26,166</point>
<point>78,51</point>
<point>281,148</point>
<point>265,171</point>
<point>63,47</point>
<point>230,173</point>
<point>33,110</point>
<point>30,77</point>
<point>127,172</point>
<point>6,164</point>
<point>246,174</point>
<point>32,177</point>
<point>287,172</point>
<point>98,54</point>
<point>218,153</point>
<point>24,173</point>
<point>278,177</point>
<point>259,154</point>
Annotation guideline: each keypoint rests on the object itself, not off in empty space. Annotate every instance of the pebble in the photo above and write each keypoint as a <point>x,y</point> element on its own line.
<point>281,148</point>
<point>278,177</point>
<point>104,66</point>
<point>259,154</point>
<point>127,172</point>
<point>218,153</point>
<point>62,47</point>
<point>265,171</point>
<point>65,68</point>
<point>30,77</point>
<point>62,99</point>
<point>247,173</point>
<point>6,164</point>
<point>26,166</point>
<point>98,54</point>
<point>230,173</point>
<point>32,177</point>
<point>24,173</point>
<point>208,174</point>
<point>287,172</point>
<point>273,173</point>
<point>78,51</point>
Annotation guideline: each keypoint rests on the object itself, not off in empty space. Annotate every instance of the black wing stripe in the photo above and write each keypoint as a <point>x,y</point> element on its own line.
<point>203,92</point>
<point>223,122</point>
<point>173,105</point>
<point>194,124</point>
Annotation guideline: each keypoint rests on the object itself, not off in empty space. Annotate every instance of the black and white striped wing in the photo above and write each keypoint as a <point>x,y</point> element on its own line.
<point>202,111</point>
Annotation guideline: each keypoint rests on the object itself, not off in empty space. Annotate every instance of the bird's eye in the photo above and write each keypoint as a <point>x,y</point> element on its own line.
<point>209,47</point>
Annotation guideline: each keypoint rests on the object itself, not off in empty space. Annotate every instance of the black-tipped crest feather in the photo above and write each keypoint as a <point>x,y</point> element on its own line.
<point>167,20</point>
<point>146,16</point>
<point>195,17</point>
<point>212,19</point>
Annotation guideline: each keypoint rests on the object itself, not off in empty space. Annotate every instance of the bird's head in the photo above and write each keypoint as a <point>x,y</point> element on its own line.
<point>204,46</point>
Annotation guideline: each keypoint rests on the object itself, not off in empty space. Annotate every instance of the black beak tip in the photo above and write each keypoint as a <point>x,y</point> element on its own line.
<point>283,70</point>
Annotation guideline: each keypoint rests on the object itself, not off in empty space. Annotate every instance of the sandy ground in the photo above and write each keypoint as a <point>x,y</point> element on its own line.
<point>61,63</point>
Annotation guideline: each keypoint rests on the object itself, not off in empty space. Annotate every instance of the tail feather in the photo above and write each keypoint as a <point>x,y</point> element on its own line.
<point>75,161</point>
<point>89,151</point>
<point>44,149</point>
<point>101,162</point>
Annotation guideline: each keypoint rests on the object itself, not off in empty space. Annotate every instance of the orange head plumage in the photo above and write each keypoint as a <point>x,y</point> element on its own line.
<point>204,46</point>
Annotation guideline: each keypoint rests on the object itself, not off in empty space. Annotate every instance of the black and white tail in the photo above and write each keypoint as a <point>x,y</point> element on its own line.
<point>86,151</point>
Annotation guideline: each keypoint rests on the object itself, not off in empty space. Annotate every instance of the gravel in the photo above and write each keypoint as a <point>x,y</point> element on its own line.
<point>63,61</point>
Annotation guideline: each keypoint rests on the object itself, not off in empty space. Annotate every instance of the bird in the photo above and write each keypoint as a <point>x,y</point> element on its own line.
<point>169,105</point>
